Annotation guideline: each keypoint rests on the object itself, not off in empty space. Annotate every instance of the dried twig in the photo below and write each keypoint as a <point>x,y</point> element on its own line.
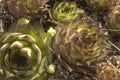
<point>114,45</point>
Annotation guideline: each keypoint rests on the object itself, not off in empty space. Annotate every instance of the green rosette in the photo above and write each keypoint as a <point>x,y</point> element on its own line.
<point>65,11</point>
<point>23,56</point>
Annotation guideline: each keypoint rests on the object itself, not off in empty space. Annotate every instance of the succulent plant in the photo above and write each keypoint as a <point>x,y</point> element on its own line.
<point>79,46</point>
<point>59,39</point>
<point>23,57</point>
<point>113,19</point>
<point>65,11</point>
<point>27,8</point>
<point>115,60</point>
<point>51,68</point>
<point>108,72</point>
<point>100,5</point>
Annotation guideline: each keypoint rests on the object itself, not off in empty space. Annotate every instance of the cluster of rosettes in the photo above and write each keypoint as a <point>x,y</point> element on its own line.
<point>110,10</point>
<point>75,41</point>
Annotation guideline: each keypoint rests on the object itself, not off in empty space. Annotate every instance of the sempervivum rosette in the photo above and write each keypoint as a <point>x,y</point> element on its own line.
<point>108,72</point>
<point>23,57</point>
<point>65,12</point>
<point>27,8</point>
<point>79,47</point>
<point>100,5</point>
<point>113,20</point>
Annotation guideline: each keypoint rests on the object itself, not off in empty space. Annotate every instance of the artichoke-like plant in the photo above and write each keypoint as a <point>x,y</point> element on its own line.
<point>100,5</point>
<point>23,57</point>
<point>27,8</point>
<point>113,19</point>
<point>108,72</point>
<point>79,47</point>
<point>65,12</point>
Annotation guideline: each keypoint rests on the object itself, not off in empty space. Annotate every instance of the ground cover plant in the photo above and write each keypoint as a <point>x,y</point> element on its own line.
<point>59,40</point>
